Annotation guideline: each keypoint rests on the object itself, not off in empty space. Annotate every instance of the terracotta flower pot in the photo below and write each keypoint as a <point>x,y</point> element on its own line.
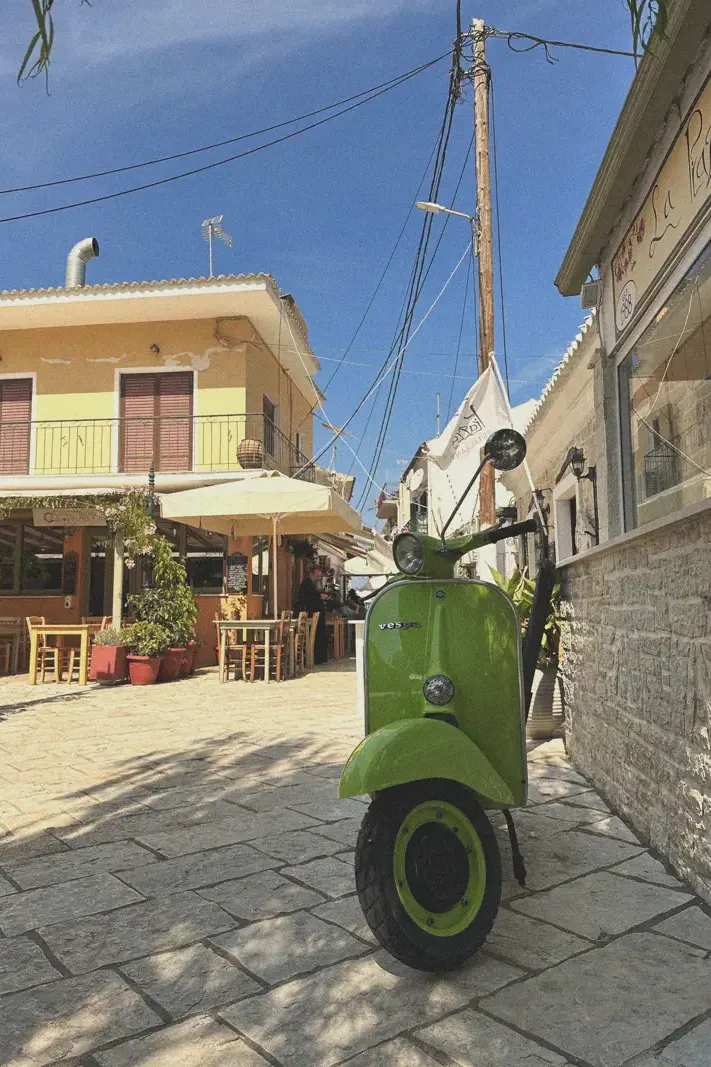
<point>192,654</point>
<point>185,663</point>
<point>143,670</point>
<point>108,664</point>
<point>171,664</point>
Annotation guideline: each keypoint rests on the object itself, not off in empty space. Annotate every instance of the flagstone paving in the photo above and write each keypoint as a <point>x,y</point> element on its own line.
<point>176,890</point>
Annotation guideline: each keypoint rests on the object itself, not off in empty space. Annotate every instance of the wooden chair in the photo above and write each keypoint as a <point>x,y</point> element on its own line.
<point>312,643</point>
<point>5,653</point>
<point>7,639</point>
<point>278,651</point>
<point>52,657</point>
<point>235,654</point>
<point>300,638</point>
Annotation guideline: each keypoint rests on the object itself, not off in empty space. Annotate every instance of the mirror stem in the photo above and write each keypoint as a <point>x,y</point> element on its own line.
<point>462,498</point>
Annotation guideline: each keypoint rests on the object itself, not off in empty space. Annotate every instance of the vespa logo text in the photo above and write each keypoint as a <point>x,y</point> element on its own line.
<point>400,625</point>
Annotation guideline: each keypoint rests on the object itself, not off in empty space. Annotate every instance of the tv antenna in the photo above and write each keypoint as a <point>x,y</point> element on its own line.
<point>340,432</point>
<point>212,228</point>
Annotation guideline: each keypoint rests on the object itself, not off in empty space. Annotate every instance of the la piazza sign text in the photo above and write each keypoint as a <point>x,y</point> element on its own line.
<point>682,188</point>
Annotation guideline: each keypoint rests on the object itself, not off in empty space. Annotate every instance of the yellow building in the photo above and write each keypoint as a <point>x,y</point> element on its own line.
<point>201,378</point>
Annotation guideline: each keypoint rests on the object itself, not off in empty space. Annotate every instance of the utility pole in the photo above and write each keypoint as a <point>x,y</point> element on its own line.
<point>480,77</point>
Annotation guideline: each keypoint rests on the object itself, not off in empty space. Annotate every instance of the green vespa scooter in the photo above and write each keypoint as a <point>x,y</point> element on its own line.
<point>447,687</point>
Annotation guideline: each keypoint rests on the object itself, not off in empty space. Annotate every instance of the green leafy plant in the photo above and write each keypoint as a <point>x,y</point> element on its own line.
<point>111,636</point>
<point>170,603</point>
<point>146,639</point>
<point>646,16</point>
<point>521,589</point>
<point>301,548</point>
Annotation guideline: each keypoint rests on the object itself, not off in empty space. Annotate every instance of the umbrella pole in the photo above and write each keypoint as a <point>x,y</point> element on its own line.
<point>275,582</point>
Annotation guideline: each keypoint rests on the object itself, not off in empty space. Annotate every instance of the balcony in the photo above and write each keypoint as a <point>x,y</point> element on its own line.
<point>386,507</point>
<point>198,444</point>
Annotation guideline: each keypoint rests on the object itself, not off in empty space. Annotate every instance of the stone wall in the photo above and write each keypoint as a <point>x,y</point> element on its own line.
<point>637,676</point>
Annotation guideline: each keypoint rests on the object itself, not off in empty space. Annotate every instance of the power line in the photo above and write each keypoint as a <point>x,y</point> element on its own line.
<point>459,339</point>
<point>220,144</point>
<point>542,42</point>
<point>229,159</point>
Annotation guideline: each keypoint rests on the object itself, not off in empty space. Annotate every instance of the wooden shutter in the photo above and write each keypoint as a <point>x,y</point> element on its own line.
<point>175,424</point>
<point>138,411</point>
<point>15,415</point>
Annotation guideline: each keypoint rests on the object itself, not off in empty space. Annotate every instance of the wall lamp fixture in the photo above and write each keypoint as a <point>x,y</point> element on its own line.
<point>576,462</point>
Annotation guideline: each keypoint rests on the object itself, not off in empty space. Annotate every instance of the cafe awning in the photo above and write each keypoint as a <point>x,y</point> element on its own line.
<point>250,507</point>
<point>379,560</point>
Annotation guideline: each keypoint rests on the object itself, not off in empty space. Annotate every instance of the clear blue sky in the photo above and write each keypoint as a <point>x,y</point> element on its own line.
<point>141,78</point>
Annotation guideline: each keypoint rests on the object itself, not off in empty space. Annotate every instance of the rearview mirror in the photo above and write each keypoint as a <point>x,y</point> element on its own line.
<point>505,449</point>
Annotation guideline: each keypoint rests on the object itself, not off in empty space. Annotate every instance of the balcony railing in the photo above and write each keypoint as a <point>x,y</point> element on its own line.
<point>175,444</point>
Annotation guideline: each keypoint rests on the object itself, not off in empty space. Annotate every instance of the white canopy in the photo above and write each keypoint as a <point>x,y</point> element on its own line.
<point>379,560</point>
<point>250,506</point>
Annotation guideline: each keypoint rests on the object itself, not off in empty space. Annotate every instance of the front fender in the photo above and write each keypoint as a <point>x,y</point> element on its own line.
<point>421,748</point>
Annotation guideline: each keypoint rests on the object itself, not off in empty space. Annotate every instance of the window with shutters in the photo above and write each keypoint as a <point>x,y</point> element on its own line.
<point>15,415</point>
<point>269,434</point>
<point>156,422</point>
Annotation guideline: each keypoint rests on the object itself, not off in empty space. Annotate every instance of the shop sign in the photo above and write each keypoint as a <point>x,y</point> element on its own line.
<point>681,190</point>
<point>68,517</point>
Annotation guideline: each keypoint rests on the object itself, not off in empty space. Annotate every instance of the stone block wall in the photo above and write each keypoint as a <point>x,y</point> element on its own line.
<point>637,676</point>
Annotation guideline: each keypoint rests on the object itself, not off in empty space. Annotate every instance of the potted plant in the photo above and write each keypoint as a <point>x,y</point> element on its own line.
<point>546,712</point>
<point>170,604</point>
<point>108,657</point>
<point>146,643</point>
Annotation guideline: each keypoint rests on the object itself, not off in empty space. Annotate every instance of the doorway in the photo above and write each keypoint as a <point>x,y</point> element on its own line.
<point>101,562</point>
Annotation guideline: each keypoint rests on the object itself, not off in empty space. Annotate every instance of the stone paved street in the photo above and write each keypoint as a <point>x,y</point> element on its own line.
<point>176,890</point>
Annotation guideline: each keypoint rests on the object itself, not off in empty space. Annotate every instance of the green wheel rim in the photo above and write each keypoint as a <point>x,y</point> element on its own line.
<point>445,817</point>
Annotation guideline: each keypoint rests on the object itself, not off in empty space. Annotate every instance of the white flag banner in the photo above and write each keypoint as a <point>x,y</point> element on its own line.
<point>456,453</point>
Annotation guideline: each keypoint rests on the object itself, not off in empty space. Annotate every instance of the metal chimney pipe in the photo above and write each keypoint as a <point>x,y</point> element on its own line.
<point>77,260</point>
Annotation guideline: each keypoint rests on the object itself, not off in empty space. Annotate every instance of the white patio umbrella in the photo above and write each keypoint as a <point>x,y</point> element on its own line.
<point>271,505</point>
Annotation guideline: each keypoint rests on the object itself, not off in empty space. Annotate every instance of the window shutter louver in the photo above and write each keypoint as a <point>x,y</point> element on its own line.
<point>156,423</point>
<point>175,408</point>
<point>15,415</point>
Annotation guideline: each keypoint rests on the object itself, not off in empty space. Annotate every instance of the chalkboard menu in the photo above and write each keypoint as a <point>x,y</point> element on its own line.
<point>69,574</point>
<point>236,573</point>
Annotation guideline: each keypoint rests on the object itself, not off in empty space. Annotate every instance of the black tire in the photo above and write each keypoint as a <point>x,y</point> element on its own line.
<point>375,878</point>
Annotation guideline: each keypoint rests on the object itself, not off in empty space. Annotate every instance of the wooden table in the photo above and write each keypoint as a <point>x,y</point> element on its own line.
<point>77,630</point>
<point>15,630</point>
<point>267,627</point>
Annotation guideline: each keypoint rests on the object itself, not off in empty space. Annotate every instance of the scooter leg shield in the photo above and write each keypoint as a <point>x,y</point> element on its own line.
<point>415,749</point>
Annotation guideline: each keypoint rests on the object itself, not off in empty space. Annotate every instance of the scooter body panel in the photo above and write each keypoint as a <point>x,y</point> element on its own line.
<point>414,749</point>
<point>470,632</point>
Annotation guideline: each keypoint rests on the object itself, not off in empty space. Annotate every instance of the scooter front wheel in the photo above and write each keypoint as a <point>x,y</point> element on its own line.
<point>428,873</point>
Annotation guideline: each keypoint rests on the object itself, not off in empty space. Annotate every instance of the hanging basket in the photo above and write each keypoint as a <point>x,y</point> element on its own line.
<point>250,454</point>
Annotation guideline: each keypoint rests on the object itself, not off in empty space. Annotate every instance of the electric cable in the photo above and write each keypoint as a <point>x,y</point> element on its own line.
<point>219,162</point>
<point>459,339</point>
<point>542,42</point>
<point>419,274</point>
<point>228,140</point>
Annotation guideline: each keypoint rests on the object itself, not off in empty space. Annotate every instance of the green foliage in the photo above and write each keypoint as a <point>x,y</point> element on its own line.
<point>521,589</point>
<point>111,636</point>
<point>301,548</point>
<point>146,639</point>
<point>646,16</point>
<point>125,512</point>
<point>170,603</point>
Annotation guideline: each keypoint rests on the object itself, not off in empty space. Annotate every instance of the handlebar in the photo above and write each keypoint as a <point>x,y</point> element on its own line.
<point>517,529</point>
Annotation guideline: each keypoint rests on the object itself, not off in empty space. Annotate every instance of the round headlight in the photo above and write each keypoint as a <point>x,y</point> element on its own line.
<point>408,553</point>
<point>439,689</point>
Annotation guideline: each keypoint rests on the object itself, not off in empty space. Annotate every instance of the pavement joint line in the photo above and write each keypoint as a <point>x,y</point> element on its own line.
<point>215,1015</point>
<point>682,1031</point>
<point>574,1061</point>
<point>332,922</point>
<point>37,939</point>
<point>145,997</point>
<point>365,951</point>
<point>237,964</point>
